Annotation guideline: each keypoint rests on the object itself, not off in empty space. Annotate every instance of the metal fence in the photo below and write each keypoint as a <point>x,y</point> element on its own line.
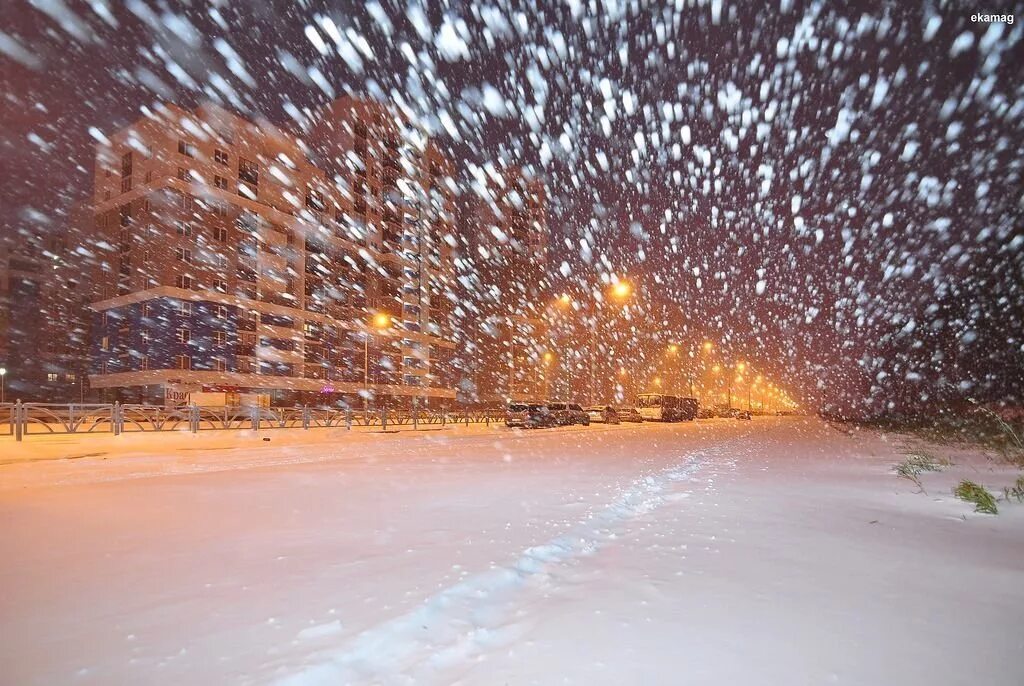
<point>26,419</point>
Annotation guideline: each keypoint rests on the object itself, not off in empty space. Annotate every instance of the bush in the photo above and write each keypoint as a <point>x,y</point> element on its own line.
<point>919,462</point>
<point>973,493</point>
<point>1016,491</point>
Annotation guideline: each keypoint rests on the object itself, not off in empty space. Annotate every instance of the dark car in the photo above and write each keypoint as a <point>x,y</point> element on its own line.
<point>628,413</point>
<point>529,415</point>
<point>604,414</point>
<point>688,409</point>
<point>743,414</point>
<point>567,414</point>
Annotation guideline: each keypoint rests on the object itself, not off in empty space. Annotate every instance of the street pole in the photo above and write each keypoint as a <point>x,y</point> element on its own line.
<point>366,371</point>
<point>593,356</point>
<point>511,361</point>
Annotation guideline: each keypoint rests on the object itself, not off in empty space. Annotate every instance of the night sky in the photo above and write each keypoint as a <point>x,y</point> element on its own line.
<point>832,191</point>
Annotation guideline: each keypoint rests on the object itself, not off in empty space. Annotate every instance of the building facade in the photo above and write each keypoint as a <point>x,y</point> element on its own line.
<point>232,255</point>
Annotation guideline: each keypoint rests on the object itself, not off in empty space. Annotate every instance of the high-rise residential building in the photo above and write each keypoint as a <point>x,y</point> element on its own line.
<point>35,337</point>
<point>505,267</point>
<point>229,254</point>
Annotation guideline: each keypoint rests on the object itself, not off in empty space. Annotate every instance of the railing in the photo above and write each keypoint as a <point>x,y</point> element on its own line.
<point>26,419</point>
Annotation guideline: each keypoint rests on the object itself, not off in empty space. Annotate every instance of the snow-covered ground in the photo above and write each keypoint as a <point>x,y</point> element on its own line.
<point>778,551</point>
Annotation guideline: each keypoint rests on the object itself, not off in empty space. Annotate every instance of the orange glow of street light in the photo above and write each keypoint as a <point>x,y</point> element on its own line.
<point>622,371</point>
<point>717,369</point>
<point>564,300</point>
<point>381,320</point>
<point>657,381</point>
<point>621,290</point>
<point>673,348</point>
<point>548,357</point>
<point>708,346</point>
<point>740,366</point>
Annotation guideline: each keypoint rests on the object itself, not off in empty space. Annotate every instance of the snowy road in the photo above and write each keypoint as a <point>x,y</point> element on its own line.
<point>776,551</point>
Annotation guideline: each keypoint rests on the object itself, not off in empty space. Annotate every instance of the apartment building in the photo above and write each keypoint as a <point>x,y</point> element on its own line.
<point>505,264</point>
<point>234,255</point>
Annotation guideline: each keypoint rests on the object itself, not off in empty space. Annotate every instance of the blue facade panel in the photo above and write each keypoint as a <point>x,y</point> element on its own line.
<point>145,336</point>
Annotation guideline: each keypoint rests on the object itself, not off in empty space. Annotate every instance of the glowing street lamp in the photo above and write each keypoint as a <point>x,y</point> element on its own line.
<point>380,321</point>
<point>3,373</point>
<point>621,290</point>
<point>708,346</point>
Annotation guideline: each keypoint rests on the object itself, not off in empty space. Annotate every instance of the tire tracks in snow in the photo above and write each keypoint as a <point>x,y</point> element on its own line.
<point>484,612</point>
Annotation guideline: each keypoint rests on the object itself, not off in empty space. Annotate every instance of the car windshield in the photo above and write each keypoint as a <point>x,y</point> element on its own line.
<point>517,407</point>
<point>649,401</point>
<point>557,406</point>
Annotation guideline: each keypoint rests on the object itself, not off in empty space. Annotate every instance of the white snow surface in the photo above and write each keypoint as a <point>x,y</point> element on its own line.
<point>766,552</point>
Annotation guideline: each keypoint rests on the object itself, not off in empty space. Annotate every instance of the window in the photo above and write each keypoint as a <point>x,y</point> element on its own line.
<point>144,363</point>
<point>220,233</point>
<point>105,343</point>
<point>183,228</point>
<point>186,149</point>
<point>184,308</point>
<point>149,176</point>
<point>220,337</point>
<point>126,184</point>
<point>220,157</point>
<point>126,164</point>
<point>248,171</point>
<point>183,281</point>
<point>145,310</point>
<point>220,285</point>
<point>51,376</point>
<point>145,338</point>
<point>220,182</point>
<point>219,365</point>
<point>315,201</point>
<point>220,209</point>
<point>222,312</point>
<point>183,335</point>
<point>183,255</point>
<point>184,362</point>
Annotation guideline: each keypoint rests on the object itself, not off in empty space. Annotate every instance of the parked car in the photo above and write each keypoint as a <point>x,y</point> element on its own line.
<point>706,413</point>
<point>743,414</point>
<point>529,415</point>
<point>603,414</point>
<point>569,413</point>
<point>628,413</point>
<point>689,408</point>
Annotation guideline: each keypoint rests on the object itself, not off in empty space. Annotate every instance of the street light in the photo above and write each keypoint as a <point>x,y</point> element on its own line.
<point>547,364</point>
<point>380,321</point>
<point>3,373</point>
<point>620,290</point>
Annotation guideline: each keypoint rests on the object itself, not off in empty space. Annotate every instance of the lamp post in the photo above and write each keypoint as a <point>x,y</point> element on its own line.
<point>547,374</point>
<point>620,291</point>
<point>3,373</point>
<point>381,322</point>
<point>672,351</point>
